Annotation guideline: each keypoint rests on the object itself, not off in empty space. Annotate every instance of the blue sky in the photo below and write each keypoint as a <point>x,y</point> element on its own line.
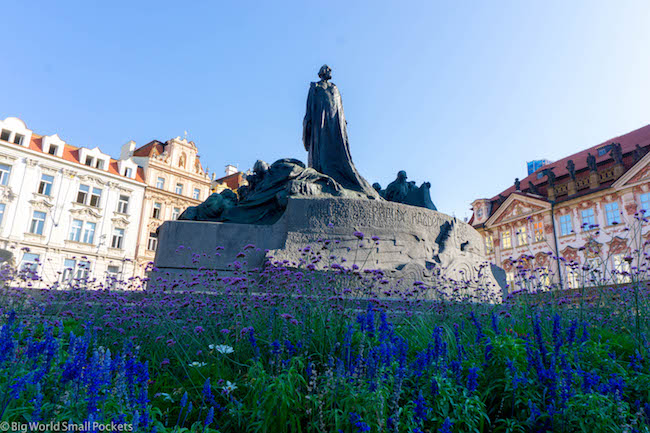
<point>460,94</point>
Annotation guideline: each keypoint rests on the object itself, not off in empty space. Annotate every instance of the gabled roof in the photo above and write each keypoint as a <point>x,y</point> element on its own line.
<point>628,143</point>
<point>148,149</point>
<point>534,204</point>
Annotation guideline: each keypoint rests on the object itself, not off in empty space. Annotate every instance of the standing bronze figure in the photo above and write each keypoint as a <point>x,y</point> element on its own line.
<point>325,135</point>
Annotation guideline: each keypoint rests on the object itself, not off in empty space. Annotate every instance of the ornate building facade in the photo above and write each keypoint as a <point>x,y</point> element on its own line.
<point>580,221</point>
<point>175,180</point>
<point>71,213</point>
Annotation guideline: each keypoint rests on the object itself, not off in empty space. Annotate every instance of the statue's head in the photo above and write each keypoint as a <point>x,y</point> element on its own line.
<point>401,175</point>
<point>325,73</point>
<point>376,186</point>
<point>260,167</point>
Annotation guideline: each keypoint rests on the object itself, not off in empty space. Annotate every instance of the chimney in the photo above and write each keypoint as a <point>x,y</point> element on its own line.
<point>127,150</point>
<point>231,169</point>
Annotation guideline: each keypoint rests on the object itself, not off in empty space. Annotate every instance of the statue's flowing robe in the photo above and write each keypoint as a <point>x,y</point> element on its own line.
<point>325,137</point>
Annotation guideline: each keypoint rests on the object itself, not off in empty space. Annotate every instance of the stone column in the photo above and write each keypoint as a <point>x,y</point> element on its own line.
<point>571,187</point>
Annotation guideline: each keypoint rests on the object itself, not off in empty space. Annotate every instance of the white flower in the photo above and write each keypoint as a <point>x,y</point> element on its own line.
<point>165,396</point>
<point>230,387</point>
<point>221,348</point>
<point>197,364</point>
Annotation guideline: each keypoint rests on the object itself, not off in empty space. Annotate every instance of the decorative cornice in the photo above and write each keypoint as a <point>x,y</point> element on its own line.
<point>85,211</point>
<point>41,205</point>
<point>120,222</point>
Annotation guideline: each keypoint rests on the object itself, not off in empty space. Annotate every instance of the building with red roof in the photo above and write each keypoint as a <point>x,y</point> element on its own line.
<point>573,222</point>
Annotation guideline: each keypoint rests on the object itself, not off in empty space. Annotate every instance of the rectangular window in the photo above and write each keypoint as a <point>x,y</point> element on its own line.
<point>95,197</point>
<point>30,262</point>
<point>89,233</point>
<point>612,214</point>
<point>52,150</point>
<point>621,269</point>
<point>38,222</point>
<point>153,242</point>
<point>176,213</point>
<point>2,212</point>
<point>18,139</point>
<point>593,271</point>
<point>196,194</point>
<point>506,240</point>
<point>565,225</point>
<point>123,204</point>
<point>69,266</point>
<point>75,230</point>
<point>82,195</point>
<point>5,135</point>
<point>572,278</point>
<point>539,231</point>
<point>112,275</point>
<point>179,188</point>
<point>5,171</point>
<point>83,270</point>
<point>118,237</point>
<point>522,238</point>
<point>157,210</point>
<point>89,161</point>
<point>510,278</point>
<point>45,187</point>
<point>645,202</point>
<point>128,172</point>
<point>588,219</point>
<point>160,183</point>
<point>100,164</point>
<point>544,278</point>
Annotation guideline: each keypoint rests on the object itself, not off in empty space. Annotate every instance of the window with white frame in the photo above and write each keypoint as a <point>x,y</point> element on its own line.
<point>99,164</point>
<point>18,139</point>
<point>5,171</point>
<point>123,204</point>
<point>510,278</point>
<point>572,278</point>
<point>621,269</point>
<point>544,278</point>
<point>176,212</point>
<point>118,238</point>
<point>88,234</point>
<point>196,194</point>
<point>45,187</point>
<point>75,230</point>
<point>588,219</point>
<point>152,244</point>
<point>489,244</point>
<point>89,161</point>
<point>38,222</point>
<point>52,150</point>
<point>645,202</point>
<point>4,135</point>
<point>565,225</point>
<point>69,266</point>
<point>522,238</point>
<point>75,270</point>
<point>83,270</point>
<point>179,188</point>
<point>538,228</point>
<point>30,262</point>
<point>2,212</point>
<point>594,271</point>
<point>157,211</point>
<point>112,275</point>
<point>82,195</point>
<point>612,213</point>
<point>96,197</point>
<point>128,172</point>
<point>506,240</point>
<point>160,183</point>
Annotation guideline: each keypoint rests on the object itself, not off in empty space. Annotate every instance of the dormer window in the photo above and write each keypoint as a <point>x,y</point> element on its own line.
<point>100,164</point>
<point>52,150</point>
<point>128,172</point>
<point>18,139</point>
<point>89,161</point>
<point>479,214</point>
<point>4,135</point>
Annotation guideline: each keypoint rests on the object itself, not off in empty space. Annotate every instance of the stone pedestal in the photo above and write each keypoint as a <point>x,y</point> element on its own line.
<point>619,169</point>
<point>594,182</point>
<point>415,244</point>
<point>571,187</point>
<point>551,193</point>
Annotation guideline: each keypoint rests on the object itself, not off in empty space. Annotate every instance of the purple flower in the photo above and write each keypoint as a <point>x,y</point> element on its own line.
<point>359,235</point>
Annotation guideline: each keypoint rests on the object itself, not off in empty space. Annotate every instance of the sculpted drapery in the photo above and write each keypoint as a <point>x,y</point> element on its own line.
<point>325,136</point>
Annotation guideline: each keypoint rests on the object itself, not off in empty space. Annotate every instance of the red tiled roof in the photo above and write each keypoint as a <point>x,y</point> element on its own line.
<point>71,153</point>
<point>148,149</point>
<point>628,143</point>
<point>233,181</point>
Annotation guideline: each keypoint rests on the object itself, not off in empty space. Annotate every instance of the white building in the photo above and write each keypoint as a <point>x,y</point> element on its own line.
<point>72,212</point>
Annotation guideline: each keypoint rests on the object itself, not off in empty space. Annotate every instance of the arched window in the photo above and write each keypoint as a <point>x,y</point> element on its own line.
<point>181,161</point>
